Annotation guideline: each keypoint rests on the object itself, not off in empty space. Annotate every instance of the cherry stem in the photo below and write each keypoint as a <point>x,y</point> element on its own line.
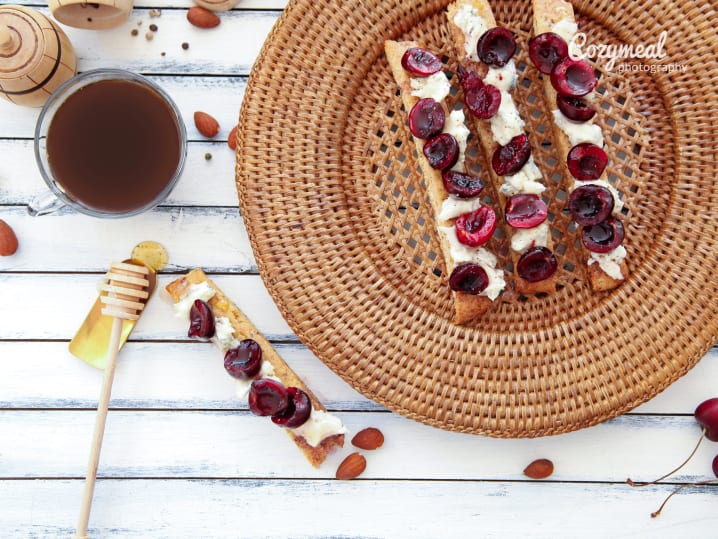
<point>676,491</point>
<point>695,449</point>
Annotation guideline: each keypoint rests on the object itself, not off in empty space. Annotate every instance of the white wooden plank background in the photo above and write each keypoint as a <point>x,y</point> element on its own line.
<point>183,457</point>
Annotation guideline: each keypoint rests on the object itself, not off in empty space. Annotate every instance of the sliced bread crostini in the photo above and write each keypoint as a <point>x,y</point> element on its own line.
<point>318,435</point>
<point>487,74</point>
<point>463,224</point>
<point>569,89</point>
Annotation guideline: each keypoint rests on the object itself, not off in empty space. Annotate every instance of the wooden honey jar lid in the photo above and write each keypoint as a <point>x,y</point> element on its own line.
<point>35,56</point>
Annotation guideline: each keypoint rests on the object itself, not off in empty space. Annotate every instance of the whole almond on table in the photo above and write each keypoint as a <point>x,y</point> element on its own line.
<point>206,124</point>
<point>232,138</point>
<point>202,18</point>
<point>369,439</point>
<point>8,239</point>
<point>351,467</point>
<point>539,469</point>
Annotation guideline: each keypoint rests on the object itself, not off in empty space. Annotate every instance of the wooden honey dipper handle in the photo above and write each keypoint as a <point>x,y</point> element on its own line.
<point>7,39</point>
<point>126,290</point>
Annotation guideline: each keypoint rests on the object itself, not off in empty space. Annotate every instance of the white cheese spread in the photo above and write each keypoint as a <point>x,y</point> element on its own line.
<point>578,132</point>
<point>507,122</point>
<point>473,26</point>
<point>224,334</point>
<point>195,291</point>
<point>610,262</point>
<point>435,86</point>
<point>453,206</point>
<point>504,78</point>
<point>456,127</point>
<point>566,28</point>
<point>320,425</point>
<point>524,181</point>
<point>525,238</point>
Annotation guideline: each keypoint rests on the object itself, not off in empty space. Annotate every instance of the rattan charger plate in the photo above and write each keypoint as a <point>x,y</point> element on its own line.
<point>344,237</point>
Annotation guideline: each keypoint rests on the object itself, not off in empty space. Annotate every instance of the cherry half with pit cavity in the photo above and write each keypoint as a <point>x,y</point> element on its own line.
<point>201,320</point>
<point>509,159</point>
<point>461,185</point>
<point>244,361</point>
<point>476,228</point>
<point>427,118</point>
<point>575,108</point>
<point>536,264</point>
<point>590,204</point>
<point>421,62</point>
<point>442,151</point>
<point>496,46</point>
<point>525,211</point>
<point>268,397</point>
<point>469,278</point>
<point>604,236</point>
<point>573,78</point>
<point>297,412</point>
<point>586,161</point>
<point>546,50</point>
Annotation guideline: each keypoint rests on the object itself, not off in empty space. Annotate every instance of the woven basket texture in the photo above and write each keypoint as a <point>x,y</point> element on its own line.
<point>344,236</point>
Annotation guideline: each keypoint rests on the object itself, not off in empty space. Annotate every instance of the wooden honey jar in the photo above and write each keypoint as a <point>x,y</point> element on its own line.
<point>36,56</point>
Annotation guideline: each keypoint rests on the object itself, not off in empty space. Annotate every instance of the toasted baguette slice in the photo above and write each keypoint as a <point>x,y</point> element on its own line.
<point>466,306</point>
<point>244,329</point>
<point>546,14</point>
<point>488,143</point>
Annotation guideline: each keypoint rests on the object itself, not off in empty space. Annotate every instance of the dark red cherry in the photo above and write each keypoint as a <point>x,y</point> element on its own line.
<point>461,185</point>
<point>476,228</point>
<point>715,465</point>
<point>201,320</point>
<point>573,78</point>
<point>707,415</point>
<point>575,108</point>
<point>496,46</point>
<point>469,278</point>
<point>421,62</point>
<point>536,264</point>
<point>298,410</point>
<point>244,361</point>
<point>509,159</point>
<point>483,102</point>
<point>590,204</point>
<point>604,236</point>
<point>442,151</point>
<point>546,50</point>
<point>586,161</point>
<point>469,80</point>
<point>426,118</point>
<point>525,211</point>
<point>268,397</point>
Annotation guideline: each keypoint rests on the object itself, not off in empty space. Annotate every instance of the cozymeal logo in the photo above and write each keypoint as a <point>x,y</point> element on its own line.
<point>580,49</point>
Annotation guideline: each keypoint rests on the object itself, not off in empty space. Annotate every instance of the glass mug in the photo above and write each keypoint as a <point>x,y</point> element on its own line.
<point>108,143</point>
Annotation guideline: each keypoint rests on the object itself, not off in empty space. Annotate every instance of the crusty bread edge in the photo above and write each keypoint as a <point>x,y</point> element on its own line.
<point>546,14</point>
<point>244,329</point>
<point>489,145</point>
<point>466,306</point>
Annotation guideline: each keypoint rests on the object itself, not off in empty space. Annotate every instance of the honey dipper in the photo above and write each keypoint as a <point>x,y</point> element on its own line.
<point>124,294</point>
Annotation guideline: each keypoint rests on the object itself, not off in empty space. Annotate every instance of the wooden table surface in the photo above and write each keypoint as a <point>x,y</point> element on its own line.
<point>182,456</point>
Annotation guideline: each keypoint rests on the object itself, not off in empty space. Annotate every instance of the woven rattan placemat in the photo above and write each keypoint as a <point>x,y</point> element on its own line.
<point>343,233</point>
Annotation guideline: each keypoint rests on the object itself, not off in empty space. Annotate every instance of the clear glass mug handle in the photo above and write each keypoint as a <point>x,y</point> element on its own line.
<point>44,204</point>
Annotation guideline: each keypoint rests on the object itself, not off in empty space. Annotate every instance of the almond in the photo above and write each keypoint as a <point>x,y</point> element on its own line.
<point>368,439</point>
<point>202,18</point>
<point>206,124</point>
<point>232,138</point>
<point>351,467</point>
<point>8,239</point>
<point>539,469</point>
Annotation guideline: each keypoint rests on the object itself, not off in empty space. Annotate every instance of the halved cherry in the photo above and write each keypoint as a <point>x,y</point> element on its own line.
<point>442,151</point>
<point>496,46</point>
<point>546,50</point>
<point>461,185</point>
<point>483,102</point>
<point>426,118</point>
<point>268,397</point>
<point>476,228</point>
<point>298,410</point>
<point>536,264</point>
<point>508,160</point>
<point>575,108</point>
<point>244,361</point>
<point>586,161</point>
<point>573,78</point>
<point>468,79</point>
<point>590,204</point>
<point>525,211</point>
<point>469,278</point>
<point>604,236</point>
<point>201,320</point>
<point>421,62</point>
